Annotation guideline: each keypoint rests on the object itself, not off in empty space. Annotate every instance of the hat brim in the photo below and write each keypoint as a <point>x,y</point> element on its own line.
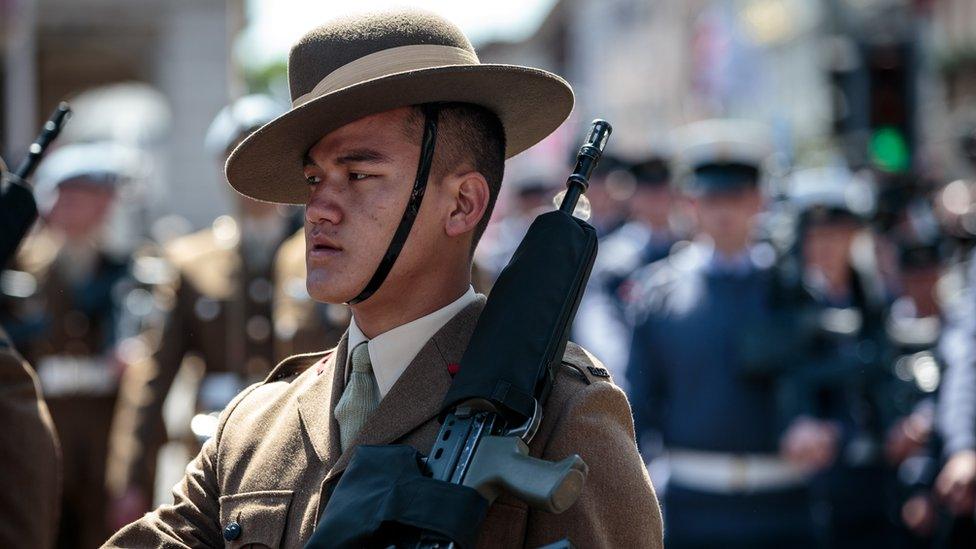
<point>530,103</point>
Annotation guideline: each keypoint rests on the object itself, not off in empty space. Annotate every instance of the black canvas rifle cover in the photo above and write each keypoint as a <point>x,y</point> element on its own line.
<point>523,329</point>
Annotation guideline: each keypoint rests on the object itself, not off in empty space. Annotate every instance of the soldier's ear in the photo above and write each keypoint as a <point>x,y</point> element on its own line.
<point>469,197</point>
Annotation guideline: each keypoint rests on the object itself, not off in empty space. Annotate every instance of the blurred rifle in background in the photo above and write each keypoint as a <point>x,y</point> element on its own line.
<point>18,210</point>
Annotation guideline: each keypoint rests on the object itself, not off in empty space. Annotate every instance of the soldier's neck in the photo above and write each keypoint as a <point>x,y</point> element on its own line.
<point>397,304</point>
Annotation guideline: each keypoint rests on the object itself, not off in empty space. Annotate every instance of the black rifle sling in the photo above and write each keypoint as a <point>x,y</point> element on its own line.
<point>427,145</point>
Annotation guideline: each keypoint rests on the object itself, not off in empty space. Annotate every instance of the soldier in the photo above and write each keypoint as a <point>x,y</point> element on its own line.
<point>30,479</point>
<point>220,310</point>
<point>365,89</point>
<point>63,302</point>
<point>955,485</point>
<point>916,327</point>
<point>647,237</point>
<point>844,373</point>
<point>739,476</point>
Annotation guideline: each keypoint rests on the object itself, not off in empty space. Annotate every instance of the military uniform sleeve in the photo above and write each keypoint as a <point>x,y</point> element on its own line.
<point>646,385</point>
<point>30,478</point>
<point>192,520</point>
<point>137,428</point>
<point>956,412</point>
<point>618,506</point>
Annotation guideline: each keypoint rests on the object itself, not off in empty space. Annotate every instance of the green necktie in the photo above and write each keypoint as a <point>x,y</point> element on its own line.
<point>360,397</point>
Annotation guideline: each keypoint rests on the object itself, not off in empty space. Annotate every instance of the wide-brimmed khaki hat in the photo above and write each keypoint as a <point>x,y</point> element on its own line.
<point>357,66</point>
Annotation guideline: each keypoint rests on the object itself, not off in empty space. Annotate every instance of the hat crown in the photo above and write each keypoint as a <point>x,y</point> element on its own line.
<point>326,48</point>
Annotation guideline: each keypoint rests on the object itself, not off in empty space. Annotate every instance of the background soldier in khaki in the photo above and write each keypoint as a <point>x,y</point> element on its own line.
<point>302,325</point>
<point>280,447</point>
<point>220,313</point>
<point>61,307</point>
<point>30,480</point>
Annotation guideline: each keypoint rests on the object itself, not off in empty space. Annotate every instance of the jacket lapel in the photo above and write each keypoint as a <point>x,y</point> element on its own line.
<point>417,396</point>
<point>316,402</point>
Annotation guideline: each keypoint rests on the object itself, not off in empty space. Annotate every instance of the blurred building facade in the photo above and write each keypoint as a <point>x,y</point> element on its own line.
<point>810,69</point>
<point>651,66</point>
<point>56,49</point>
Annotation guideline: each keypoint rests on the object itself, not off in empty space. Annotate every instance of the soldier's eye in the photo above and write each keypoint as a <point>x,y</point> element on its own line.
<point>353,176</point>
<point>313,179</point>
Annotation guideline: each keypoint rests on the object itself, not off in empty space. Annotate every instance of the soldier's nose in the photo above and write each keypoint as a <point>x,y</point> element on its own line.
<point>322,209</point>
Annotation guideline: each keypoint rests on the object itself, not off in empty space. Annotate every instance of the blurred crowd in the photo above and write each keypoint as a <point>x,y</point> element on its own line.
<point>798,346</point>
<point>798,342</point>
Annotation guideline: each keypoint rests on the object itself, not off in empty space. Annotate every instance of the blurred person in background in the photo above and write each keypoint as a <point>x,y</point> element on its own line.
<point>30,479</point>
<point>738,476</point>
<point>529,197</point>
<point>843,371</point>
<point>302,325</point>
<point>62,304</point>
<point>955,485</point>
<point>955,204</point>
<point>219,311</point>
<point>646,237</point>
<point>919,325</point>
<point>610,186</point>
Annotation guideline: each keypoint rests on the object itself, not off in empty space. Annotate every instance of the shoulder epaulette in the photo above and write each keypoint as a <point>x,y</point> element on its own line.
<point>296,364</point>
<point>579,363</point>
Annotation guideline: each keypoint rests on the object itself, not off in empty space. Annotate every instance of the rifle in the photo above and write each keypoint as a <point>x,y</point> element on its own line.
<point>18,210</point>
<point>493,408</point>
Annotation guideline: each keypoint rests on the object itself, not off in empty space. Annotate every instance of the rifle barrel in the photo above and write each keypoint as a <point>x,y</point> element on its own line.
<point>586,159</point>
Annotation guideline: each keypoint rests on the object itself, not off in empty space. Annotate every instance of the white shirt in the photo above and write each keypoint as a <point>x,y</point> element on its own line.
<point>392,351</point>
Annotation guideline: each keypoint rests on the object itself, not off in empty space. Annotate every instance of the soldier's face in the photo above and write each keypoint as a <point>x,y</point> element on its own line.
<point>80,209</point>
<point>360,177</point>
<point>728,216</point>
<point>827,246</point>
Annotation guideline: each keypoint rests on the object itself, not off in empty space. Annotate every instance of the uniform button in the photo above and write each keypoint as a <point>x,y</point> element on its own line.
<point>232,531</point>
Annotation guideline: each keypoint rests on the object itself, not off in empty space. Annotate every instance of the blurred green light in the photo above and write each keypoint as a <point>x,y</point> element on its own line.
<point>889,150</point>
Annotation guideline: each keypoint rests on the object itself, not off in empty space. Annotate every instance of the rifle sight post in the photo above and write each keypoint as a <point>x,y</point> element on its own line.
<point>586,160</point>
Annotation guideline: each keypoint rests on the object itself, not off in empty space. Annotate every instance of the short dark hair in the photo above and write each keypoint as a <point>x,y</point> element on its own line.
<point>467,134</point>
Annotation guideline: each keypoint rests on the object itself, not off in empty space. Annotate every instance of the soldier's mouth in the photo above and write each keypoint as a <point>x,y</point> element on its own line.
<point>324,248</point>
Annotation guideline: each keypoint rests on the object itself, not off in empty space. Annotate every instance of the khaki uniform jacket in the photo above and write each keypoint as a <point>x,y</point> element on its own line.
<point>276,457</point>
<point>30,474</point>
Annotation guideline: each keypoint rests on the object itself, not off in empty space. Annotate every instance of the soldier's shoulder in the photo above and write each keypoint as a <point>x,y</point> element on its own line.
<point>206,259</point>
<point>292,367</point>
<point>582,367</point>
<point>290,257</point>
<point>186,251</point>
<point>652,286</point>
<point>269,397</point>
<point>262,415</point>
<point>294,245</point>
<point>582,385</point>
<point>620,250</point>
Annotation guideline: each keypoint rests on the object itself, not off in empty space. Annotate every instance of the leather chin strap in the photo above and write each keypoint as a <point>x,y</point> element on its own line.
<point>430,111</point>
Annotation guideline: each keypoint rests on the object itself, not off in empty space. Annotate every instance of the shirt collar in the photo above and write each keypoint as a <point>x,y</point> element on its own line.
<point>392,351</point>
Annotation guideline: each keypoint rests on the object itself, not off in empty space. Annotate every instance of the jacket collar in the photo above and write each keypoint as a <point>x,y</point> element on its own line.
<point>415,398</point>
<point>315,404</point>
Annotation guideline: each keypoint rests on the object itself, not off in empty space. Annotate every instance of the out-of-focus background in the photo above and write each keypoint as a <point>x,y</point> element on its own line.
<point>821,73</point>
<point>787,214</point>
